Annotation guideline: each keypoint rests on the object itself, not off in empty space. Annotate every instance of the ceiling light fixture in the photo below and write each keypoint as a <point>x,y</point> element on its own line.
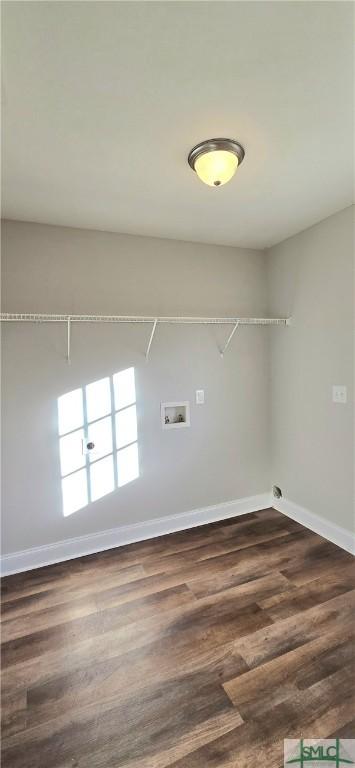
<point>216,160</point>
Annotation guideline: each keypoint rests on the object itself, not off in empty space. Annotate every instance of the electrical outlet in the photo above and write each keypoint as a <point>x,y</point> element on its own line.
<point>200,396</point>
<point>339,393</point>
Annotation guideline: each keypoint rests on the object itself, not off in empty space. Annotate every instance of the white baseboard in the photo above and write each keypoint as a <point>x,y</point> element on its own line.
<point>127,534</point>
<point>60,551</point>
<point>330,531</point>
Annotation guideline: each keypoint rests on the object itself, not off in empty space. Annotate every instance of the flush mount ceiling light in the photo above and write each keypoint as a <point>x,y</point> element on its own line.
<point>216,160</point>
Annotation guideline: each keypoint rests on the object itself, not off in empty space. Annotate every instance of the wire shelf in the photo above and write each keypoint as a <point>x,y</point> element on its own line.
<point>34,317</point>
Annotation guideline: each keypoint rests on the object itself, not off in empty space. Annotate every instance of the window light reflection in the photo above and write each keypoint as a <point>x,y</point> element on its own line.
<point>103,413</point>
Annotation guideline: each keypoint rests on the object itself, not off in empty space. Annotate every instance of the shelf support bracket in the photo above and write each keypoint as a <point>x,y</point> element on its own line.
<point>68,339</point>
<point>229,339</point>
<point>151,338</point>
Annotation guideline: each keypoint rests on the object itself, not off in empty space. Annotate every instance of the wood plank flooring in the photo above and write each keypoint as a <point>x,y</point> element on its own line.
<point>202,649</point>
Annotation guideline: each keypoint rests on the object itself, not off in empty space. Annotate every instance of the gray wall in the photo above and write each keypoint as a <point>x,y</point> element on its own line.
<point>311,278</point>
<point>224,455</point>
<point>247,436</point>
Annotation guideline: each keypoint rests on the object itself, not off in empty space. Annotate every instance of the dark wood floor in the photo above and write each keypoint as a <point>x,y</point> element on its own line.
<point>202,649</point>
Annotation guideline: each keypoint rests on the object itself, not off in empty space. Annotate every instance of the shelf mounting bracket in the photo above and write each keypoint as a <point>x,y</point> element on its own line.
<point>229,339</point>
<point>68,339</point>
<point>151,339</point>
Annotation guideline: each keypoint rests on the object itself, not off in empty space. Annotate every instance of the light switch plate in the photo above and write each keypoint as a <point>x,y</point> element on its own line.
<point>200,396</point>
<point>339,393</point>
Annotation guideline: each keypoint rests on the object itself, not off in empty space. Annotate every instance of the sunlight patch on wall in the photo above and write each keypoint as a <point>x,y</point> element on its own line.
<point>103,413</point>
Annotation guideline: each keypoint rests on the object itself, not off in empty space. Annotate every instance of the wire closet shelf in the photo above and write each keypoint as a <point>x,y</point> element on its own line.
<point>36,317</point>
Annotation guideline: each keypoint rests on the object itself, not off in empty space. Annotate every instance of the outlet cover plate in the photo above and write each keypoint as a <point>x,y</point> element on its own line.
<point>339,393</point>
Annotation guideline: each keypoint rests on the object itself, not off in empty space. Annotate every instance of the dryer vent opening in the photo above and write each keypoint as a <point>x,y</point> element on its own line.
<point>277,492</point>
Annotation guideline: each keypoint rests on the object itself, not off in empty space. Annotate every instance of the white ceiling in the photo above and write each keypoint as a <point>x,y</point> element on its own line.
<point>103,100</point>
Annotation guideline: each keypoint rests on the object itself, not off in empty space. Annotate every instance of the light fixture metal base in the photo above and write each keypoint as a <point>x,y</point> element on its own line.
<point>213,145</point>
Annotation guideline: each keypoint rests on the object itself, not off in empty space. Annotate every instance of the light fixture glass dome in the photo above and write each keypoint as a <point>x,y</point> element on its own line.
<point>216,160</point>
<point>217,167</point>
